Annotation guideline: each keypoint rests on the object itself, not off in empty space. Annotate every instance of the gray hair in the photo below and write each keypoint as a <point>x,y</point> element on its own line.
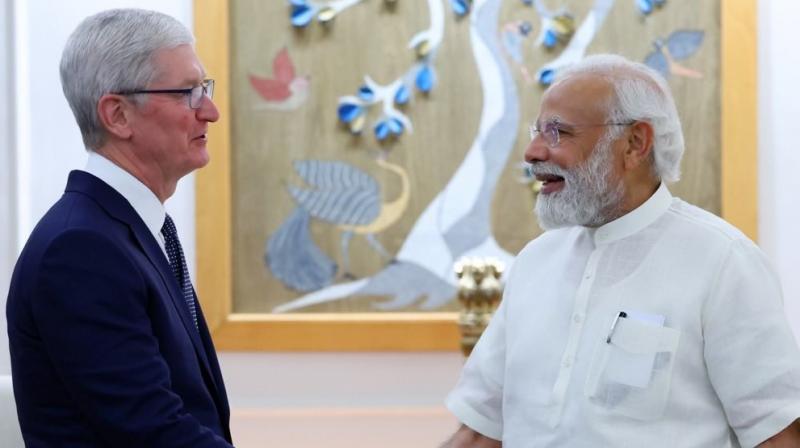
<point>642,94</point>
<point>112,52</point>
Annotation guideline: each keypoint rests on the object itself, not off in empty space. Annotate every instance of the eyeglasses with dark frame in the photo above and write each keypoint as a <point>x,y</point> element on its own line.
<point>195,94</point>
<point>551,132</point>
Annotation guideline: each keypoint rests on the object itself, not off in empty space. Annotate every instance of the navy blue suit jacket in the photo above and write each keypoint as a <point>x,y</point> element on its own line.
<point>103,348</point>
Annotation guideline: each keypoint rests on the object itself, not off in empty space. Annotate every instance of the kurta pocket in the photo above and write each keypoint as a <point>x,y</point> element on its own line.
<point>631,374</point>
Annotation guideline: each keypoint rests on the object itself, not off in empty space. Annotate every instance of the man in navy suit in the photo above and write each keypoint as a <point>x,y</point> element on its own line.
<point>108,343</point>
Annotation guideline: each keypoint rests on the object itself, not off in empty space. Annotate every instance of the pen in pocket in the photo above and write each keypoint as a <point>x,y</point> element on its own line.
<point>614,325</point>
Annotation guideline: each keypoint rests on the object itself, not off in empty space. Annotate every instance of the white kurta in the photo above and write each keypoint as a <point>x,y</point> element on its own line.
<point>703,355</point>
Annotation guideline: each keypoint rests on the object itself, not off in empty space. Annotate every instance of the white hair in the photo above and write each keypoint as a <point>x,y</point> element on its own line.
<point>110,52</point>
<point>641,94</point>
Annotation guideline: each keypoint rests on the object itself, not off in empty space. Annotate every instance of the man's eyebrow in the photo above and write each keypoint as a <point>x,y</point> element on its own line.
<point>194,81</point>
<point>553,119</point>
<point>558,122</point>
<point>565,125</point>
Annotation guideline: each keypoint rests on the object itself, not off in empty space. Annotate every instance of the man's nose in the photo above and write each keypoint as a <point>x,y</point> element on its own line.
<point>537,150</point>
<point>208,110</point>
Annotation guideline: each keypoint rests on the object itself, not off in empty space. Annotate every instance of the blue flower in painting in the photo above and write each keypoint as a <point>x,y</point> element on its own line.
<point>402,95</point>
<point>425,79</point>
<point>302,14</point>
<point>547,76</point>
<point>382,130</point>
<point>460,7</point>
<point>646,6</point>
<point>395,126</point>
<point>349,112</point>
<point>550,39</point>
<point>366,94</point>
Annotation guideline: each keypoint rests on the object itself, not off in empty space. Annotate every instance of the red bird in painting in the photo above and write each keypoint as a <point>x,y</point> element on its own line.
<point>286,90</point>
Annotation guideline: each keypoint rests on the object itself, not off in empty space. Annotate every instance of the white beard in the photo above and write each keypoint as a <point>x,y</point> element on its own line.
<point>590,196</point>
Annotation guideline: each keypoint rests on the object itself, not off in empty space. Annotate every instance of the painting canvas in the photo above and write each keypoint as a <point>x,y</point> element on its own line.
<point>371,144</point>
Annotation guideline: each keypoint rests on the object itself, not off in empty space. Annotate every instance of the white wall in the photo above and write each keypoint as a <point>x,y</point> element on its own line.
<point>7,179</point>
<point>779,147</point>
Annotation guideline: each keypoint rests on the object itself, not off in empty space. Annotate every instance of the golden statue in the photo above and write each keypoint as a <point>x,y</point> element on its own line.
<point>479,292</point>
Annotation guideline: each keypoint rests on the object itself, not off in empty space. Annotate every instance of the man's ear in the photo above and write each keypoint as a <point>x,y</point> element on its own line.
<point>640,145</point>
<point>114,111</point>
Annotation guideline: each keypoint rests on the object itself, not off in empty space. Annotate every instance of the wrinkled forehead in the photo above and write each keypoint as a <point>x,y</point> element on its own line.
<point>578,99</point>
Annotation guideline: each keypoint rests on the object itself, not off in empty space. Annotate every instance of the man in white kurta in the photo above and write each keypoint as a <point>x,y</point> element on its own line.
<point>637,320</point>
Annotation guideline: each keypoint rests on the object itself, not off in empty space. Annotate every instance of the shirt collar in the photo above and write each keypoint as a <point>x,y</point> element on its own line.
<point>636,220</point>
<point>141,198</point>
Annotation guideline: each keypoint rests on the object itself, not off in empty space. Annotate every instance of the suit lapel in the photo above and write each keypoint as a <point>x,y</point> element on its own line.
<point>117,206</point>
<point>159,260</point>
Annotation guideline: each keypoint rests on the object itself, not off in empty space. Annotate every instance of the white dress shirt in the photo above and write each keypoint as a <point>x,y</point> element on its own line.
<point>704,356</point>
<point>141,198</point>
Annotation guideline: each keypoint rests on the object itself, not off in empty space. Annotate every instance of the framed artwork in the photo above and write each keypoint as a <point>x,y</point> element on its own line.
<point>365,146</point>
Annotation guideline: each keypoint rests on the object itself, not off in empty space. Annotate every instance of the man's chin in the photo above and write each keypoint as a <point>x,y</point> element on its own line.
<point>547,224</point>
<point>547,216</point>
<point>201,159</point>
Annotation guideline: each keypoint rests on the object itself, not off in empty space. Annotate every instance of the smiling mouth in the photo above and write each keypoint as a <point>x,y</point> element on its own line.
<point>550,182</point>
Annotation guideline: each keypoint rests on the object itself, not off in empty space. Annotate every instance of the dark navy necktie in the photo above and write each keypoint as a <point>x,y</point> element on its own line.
<point>178,264</point>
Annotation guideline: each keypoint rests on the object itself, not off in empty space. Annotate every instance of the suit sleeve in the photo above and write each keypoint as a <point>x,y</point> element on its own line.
<point>90,306</point>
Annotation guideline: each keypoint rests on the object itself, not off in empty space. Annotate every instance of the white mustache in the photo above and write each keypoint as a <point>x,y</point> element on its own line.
<point>548,168</point>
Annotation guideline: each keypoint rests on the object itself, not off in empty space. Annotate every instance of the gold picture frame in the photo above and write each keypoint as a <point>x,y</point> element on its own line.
<point>434,330</point>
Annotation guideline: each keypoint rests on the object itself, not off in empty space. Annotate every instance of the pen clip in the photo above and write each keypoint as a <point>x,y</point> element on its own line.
<point>614,325</point>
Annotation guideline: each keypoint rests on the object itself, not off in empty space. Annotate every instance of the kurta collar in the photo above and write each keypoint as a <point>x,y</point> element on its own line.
<point>636,220</point>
